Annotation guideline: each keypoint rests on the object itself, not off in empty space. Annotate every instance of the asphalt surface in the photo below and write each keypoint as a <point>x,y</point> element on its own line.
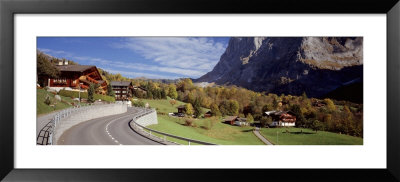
<point>262,138</point>
<point>110,130</point>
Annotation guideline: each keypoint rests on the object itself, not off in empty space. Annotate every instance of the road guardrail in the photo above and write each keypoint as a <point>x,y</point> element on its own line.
<point>164,135</point>
<point>47,133</point>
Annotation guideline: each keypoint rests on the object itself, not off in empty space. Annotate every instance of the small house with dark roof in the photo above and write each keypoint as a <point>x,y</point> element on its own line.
<point>122,89</point>
<point>230,119</point>
<point>241,122</point>
<point>181,109</point>
<point>207,114</point>
<point>235,120</point>
<point>77,77</point>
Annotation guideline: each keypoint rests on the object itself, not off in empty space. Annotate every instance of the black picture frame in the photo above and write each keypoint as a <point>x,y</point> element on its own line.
<point>9,8</point>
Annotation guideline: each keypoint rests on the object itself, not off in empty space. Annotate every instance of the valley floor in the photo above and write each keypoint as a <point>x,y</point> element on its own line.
<point>225,134</point>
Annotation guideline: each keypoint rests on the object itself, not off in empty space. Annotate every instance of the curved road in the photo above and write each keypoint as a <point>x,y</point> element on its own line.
<point>110,130</point>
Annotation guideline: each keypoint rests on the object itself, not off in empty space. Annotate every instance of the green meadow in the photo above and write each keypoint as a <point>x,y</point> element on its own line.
<point>304,136</point>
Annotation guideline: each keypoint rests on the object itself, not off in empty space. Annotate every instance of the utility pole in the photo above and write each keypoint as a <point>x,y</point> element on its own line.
<point>79,93</point>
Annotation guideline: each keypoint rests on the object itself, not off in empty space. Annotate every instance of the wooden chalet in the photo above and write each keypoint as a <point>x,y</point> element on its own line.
<point>282,118</point>
<point>235,120</point>
<point>181,109</point>
<point>76,77</point>
<point>122,89</point>
<point>207,114</point>
<point>230,120</point>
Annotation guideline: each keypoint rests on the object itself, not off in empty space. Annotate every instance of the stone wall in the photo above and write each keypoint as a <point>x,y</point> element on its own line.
<point>148,119</point>
<point>85,114</point>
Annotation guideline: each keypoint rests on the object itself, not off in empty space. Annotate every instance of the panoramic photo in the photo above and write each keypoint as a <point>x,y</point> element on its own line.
<point>199,91</point>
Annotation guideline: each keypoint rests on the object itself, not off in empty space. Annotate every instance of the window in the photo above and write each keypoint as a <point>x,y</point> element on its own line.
<point>60,81</point>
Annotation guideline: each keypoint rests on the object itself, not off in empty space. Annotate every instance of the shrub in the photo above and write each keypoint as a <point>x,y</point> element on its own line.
<point>68,93</point>
<point>189,122</point>
<point>138,103</point>
<point>48,100</point>
<point>266,121</point>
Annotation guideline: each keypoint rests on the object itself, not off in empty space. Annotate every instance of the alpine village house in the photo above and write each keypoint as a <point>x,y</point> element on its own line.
<point>122,89</point>
<point>76,78</point>
<point>282,118</point>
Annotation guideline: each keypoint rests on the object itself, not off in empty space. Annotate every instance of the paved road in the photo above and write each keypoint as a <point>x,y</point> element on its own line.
<point>110,130</point>
<point>262,138</point>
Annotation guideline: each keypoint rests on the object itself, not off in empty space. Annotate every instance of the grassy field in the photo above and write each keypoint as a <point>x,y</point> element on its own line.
<point>42,108</point>
<point>164,106</point>
<point>220,133</point>
<point>308,137</point>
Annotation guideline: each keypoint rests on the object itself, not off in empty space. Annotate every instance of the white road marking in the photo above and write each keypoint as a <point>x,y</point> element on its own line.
<point>115,140</point>
<point>106,128</point>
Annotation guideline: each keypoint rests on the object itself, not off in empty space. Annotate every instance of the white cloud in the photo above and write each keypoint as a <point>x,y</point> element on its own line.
<point>139,74</point>
<point>55,52</point>
<point>142,67</point>
<point>201,54</point>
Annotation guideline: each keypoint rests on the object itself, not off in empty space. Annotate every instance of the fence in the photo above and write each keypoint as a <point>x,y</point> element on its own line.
<point>47,135</point>
<point>137,126</point>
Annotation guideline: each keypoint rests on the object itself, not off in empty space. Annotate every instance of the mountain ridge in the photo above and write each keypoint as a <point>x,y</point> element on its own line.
<point>289,65</point>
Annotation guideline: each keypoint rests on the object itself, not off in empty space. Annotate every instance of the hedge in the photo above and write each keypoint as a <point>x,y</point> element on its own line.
<point>75,94</point>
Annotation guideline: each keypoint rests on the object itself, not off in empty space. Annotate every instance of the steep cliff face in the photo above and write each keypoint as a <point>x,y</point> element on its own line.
<point>290,65</point>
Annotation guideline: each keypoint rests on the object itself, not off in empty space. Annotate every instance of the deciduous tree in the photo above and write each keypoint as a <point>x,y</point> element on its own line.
<point>189,109</point>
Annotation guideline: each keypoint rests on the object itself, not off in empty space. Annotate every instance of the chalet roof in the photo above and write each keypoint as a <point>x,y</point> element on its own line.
<point>208,112</point>
<point>120,83</point>
<point>270,112</point>
<point>230,118</point>
<point>242,119</point>
<point>74,68</point>
<point>278,113</point>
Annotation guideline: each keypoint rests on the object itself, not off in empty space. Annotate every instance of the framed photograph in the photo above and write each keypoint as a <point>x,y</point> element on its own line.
<point>142,90</point>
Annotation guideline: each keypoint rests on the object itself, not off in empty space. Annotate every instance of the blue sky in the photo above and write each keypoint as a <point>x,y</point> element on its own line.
<point>151,57</point>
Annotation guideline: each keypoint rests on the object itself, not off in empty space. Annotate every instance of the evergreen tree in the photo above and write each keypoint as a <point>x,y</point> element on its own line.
<point>197,107</point>
<point>91,91</point>
<point>275,103</point>
<point>163,94</point>
<point>110,91</point>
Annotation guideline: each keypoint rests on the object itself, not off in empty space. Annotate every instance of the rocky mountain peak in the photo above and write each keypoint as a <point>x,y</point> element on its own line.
<point>290,65</point>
